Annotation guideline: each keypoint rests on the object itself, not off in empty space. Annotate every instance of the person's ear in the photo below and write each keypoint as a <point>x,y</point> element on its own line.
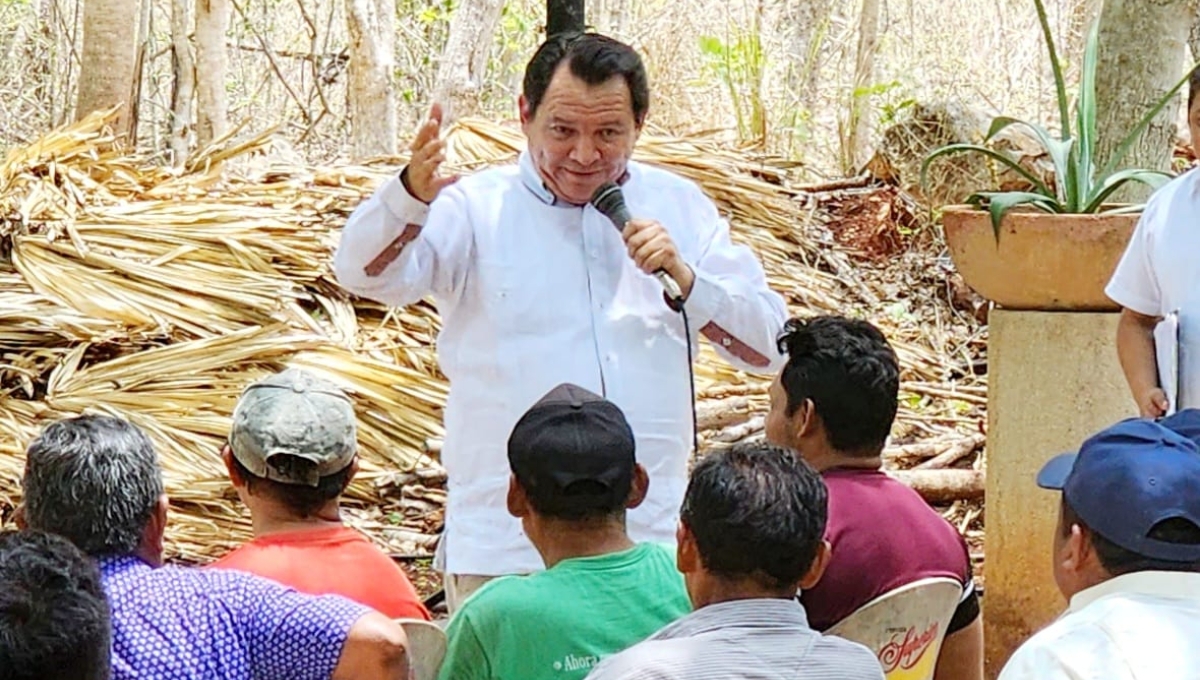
<point>19,517</point>
<point>524,111</point>
<point>231,467</point>
<point>1076,551</point>
<point>353,471</point>
<point>517,501</point>
<point>817,569</point>
<point>638,488</point>
<point>806,420</point>
<point>687,553</point>
<point>151,546</point>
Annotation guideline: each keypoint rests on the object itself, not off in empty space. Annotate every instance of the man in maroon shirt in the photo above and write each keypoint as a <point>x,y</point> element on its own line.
<point>834,403</point>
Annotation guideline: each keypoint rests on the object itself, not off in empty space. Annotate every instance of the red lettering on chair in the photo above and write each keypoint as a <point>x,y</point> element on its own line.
<point>904,652</point>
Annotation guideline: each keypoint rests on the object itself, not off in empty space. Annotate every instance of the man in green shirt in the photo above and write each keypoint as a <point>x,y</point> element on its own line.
<point>574,475</point>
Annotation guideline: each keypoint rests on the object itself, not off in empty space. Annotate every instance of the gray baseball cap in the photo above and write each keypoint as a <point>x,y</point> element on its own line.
<point>291,415</point>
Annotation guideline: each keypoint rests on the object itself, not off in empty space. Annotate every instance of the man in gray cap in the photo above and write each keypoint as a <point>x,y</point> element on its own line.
<point>291,454</point>
<point>573,476</point>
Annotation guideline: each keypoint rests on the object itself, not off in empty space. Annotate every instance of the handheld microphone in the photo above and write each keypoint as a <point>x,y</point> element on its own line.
<point>609,200</point>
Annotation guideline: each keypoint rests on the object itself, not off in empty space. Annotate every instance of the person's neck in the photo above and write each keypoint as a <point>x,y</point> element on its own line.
<point>717,590</point>
<point>558,540</point>
<point>271,517</point>
<point>824,457</point>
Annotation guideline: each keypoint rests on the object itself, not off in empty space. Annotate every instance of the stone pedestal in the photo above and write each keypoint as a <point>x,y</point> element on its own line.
<point>1053,380</point>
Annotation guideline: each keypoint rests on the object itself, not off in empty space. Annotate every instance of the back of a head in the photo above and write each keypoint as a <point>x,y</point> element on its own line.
<point>54,619</point>
<point>95,480</point>
<point>294,437</point>
<point>851,374</point>
<point>756,512</point>
<point>594,59</point>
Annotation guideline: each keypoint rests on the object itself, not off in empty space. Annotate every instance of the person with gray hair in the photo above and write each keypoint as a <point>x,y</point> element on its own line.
<point>54,621</point>
<point>96,481</point>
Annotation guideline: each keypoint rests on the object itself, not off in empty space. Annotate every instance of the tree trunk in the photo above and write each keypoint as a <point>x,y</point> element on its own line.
<point>108,59</point>
<point>1194,39</point>
<point>564,16</point>
<point>212,62</point>
<point>464,61</point>
<point>1132,73</point>
<point>184,69</point>
<point>858,124</point>
<point>372,25</point>
<point>806,23</point>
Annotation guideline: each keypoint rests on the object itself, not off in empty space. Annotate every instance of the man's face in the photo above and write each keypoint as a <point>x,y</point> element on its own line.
<point>582,135</point>
<point>779,428</point>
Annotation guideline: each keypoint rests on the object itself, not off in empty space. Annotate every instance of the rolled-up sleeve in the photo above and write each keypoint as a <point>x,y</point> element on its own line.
<point>396,250</point>
<point>731,303</point>
<point>1134,285</point>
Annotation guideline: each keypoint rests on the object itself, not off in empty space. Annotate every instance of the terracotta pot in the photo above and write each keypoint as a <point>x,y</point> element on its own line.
<point>1041,261</point>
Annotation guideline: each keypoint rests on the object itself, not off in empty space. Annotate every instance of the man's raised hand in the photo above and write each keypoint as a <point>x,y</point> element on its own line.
<point>428,153</point>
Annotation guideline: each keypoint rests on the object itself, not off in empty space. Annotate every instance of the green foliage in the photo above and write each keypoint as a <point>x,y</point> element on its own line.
<point>1079,186</point>
<point>740,63</point>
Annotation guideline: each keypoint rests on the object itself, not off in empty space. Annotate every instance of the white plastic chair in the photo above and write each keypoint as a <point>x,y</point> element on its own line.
<point>426,647</point>
<point>905,627</point>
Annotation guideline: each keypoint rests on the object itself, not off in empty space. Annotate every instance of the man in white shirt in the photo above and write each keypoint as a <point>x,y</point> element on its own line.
<point>1127,556</point>
<point>1159,275</point>
<point>537,288</point>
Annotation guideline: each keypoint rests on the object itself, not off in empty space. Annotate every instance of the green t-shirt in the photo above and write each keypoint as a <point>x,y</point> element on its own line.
<point>559,623</point>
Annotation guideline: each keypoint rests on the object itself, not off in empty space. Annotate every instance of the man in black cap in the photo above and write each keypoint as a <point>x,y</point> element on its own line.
<point>574,475</point>
<point>1127,557</point>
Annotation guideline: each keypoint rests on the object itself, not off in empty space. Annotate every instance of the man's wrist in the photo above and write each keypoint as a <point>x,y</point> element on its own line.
<point>408,187</point>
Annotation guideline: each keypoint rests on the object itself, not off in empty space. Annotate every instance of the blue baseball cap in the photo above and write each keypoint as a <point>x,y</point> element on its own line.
<point>1185,422</point>
<point>1128,478</point>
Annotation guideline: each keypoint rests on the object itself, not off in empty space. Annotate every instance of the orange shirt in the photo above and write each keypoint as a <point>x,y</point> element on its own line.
<point>334,560</point>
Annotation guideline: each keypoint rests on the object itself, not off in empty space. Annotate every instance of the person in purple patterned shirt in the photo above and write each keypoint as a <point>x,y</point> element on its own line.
<point>96,480</point>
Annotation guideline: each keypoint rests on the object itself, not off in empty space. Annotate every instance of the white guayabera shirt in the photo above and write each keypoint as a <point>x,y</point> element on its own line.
<point>1160,272</point>
<point>533,293</point>
<point>1140,626</point>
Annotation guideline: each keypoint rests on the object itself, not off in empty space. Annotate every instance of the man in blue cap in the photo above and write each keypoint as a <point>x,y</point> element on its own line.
<point>1127,557</point>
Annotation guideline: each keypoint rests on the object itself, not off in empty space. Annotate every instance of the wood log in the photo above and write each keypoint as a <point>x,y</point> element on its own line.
<point>715,414</point>
<point>953,453</point>
<point>938,487</point>
<point>739,432</point>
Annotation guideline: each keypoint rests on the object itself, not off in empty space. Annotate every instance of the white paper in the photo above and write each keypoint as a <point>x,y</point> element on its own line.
<point>1166,351</point>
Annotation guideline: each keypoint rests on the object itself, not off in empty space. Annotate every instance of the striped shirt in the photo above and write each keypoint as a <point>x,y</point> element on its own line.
<point>764,639</point>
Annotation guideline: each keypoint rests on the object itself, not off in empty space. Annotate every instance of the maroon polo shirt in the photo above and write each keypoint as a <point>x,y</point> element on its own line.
<point>883,536</point>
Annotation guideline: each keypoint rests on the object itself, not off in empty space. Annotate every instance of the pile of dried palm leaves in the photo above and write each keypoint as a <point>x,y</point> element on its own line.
<point>156,295</point>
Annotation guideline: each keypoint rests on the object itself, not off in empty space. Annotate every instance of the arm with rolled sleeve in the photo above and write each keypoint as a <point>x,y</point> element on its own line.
<point>1134,285</point>
<point>396,250</point>
<point>730,302</point>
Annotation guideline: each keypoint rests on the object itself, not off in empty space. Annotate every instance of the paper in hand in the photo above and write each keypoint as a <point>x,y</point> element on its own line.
<point>1166,352</point>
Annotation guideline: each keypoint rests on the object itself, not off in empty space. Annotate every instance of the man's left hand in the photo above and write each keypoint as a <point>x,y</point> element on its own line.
<point>652,249</point>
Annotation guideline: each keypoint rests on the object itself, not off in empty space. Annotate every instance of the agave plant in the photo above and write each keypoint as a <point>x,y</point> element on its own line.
<point>1079,187</point>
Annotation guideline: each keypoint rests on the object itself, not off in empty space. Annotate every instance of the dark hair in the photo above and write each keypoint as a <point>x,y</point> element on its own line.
<point>850,372</point>
<point>305,501</point>
<point>1193,87</point>
<point>756,511</point>
<point>94,480</point>
<point>1117,560</point>
<point>54,619</point>
<point>593,58</point>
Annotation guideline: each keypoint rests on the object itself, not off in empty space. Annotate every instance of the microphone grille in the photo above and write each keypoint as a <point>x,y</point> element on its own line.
<point>608,199</point>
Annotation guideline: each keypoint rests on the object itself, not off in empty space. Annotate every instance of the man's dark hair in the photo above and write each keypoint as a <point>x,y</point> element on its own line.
<point>594,59</point>
<point>54,619</point>
<point>305,501</point>
<point>1193,88</point>
<point>582,501</point>
<point>1117,560</point>
<point>850,372</point>
<point>756,511</point>
<point>94,480</point>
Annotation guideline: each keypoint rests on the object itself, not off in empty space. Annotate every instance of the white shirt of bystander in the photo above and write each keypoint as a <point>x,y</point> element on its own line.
<point>1139,626</point>
<point>1160,272</point>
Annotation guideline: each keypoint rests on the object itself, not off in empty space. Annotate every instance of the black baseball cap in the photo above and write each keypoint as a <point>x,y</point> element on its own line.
<point>573,453</point>
<point>1127,479</point>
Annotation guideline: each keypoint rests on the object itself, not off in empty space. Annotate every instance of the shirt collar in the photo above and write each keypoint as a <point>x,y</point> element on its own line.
<point>754,613</point>
<point>537,186</point>
<point>1171,584</point>
<point>115,565</point>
